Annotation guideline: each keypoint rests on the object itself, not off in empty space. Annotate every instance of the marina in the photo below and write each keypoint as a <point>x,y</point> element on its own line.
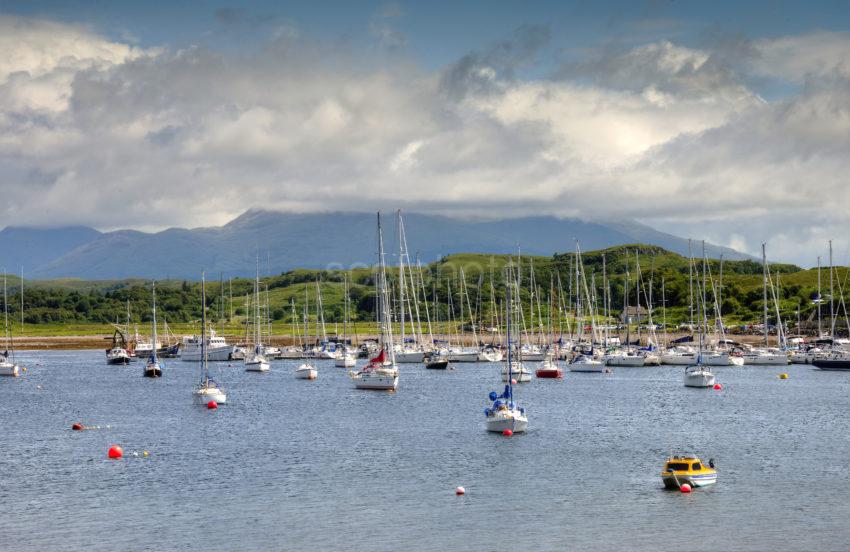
<point>590,459</point>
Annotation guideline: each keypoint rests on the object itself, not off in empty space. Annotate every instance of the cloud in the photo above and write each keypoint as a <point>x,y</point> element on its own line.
<point>106,134</point>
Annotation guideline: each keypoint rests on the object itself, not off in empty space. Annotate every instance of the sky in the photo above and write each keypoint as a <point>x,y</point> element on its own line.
<point>722,121</point>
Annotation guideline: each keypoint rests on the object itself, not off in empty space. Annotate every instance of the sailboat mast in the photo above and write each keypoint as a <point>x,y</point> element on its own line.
<point>764,290</point>
<point>153,322</point>
<point>831,311</point>
<point>820,333</point>
<point>386,326</point>
<point>204,368</point>
<point>691,284</point>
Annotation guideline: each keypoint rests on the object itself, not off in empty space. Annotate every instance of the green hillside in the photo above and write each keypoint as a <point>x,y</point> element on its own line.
<point>662,275</point>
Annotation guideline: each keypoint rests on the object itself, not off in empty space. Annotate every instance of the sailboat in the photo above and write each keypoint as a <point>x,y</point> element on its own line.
<point>767,355</point>
<point>7,367</point>
<point>206,389</point>
<point>504,415</point>
<point>584,360</point>
<point>346,358</point>
<point>381,372</point>
<point>153,368</point>
<point>255,359</point>
<point>697,375</point>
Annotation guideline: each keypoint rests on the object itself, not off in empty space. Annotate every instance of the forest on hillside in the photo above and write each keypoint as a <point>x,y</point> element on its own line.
<point>451,288</point>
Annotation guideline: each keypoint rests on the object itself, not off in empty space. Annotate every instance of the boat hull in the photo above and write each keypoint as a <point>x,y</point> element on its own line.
<point>625,361</point>
<point>463,356</point>
<point>765,360</point>
<point>440,364</point>
<point>513,421</point>
<point>306,373</point>
<point>549,373</point>
<point>346,361</point>
<point>410,357</point>
<point>258,366</point>
<point>9,369</point>
<point>376,382</point>
<point>695,480</point>
<point>701,378</point>
<point>842,365</point>
<point>217,354</point>
<point>206,394</point>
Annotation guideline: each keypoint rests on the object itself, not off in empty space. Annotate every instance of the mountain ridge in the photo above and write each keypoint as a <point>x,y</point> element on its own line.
<point>285,241</point>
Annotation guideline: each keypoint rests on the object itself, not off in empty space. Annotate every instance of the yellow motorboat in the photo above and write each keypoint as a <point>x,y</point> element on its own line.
<point>689,469</point>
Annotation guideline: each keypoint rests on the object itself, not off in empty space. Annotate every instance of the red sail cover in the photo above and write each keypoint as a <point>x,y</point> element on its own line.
<point>382,356</point>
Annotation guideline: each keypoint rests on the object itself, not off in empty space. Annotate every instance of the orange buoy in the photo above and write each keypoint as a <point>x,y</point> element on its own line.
<point>685,488</point>
<point>507,433</point>
<point>513,382</point>
<point>115,452</point>
<point>78,427</point>
<point>717,387</point>
<point>460,491</point>
<point>212,405</point>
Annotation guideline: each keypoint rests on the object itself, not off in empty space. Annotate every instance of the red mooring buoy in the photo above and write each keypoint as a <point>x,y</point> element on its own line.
<point>212,405</point>
<point>115,452</point>
<point>77,427</point>
<point>507,433</point>
<point>717,387</point>
<point>685,488</point>
<point>460,491</point>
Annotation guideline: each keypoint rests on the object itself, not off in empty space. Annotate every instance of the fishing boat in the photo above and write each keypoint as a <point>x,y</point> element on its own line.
<point>7,366</point>
<point>679,470</point>
<point>504,414</point>
<point>256,359</point>
<point>206,390</point>
<point>549,369</point>
<point>153,369</point>
<point>381,373</point>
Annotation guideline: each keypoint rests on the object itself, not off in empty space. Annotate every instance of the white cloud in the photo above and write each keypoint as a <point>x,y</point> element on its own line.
<point>98,132</point>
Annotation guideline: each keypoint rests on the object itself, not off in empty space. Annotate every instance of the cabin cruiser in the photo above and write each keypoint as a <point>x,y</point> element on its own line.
<point>689,469</point>
<point>217,348</point>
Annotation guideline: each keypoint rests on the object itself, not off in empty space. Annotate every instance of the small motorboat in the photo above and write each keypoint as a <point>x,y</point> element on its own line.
<point>306,371</point>
<point>437,362</point>
<point>117,355</point>
<point>689,469</point>
<point>549,369</point>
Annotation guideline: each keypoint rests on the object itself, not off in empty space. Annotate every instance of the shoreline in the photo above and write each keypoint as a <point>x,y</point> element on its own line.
<point>103,341</point>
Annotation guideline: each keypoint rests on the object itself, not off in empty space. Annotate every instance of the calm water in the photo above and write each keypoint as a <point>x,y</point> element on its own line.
<point>319,465</point>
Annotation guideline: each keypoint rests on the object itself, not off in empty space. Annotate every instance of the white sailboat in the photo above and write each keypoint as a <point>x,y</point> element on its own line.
<point>153,369</point>
<point>504,414</point>
<point>207,389</point>
<point>698,375</point>
<point>7,366</point>
<point>255,358</point>
<point>381,372</point>
<point>767,355</point>
<point>346,359</point>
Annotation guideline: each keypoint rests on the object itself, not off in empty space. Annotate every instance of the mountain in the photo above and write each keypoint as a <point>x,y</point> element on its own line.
<point>322,240</point>
<point>35,247</point>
